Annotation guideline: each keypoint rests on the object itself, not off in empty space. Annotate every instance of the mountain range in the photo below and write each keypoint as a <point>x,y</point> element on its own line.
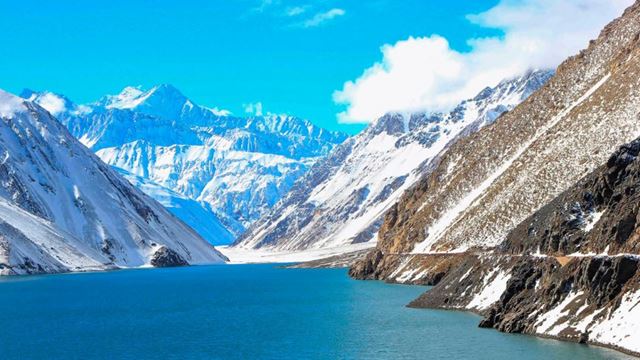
<point>207,166</point>
<point>520,204</point>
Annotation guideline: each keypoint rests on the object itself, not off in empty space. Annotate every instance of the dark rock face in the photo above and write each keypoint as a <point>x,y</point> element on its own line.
<point>561,227</point>
<point>423,269</point>
<point>165,257</point>
<point>599,280</point>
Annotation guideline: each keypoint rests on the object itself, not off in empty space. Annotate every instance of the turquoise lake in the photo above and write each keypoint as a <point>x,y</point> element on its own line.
<point>244,312</point>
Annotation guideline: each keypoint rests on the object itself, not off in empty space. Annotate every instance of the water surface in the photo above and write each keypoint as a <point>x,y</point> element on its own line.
<point>244,312</point>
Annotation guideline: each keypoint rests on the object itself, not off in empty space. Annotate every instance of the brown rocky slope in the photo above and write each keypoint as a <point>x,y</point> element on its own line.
<point>521,221</point>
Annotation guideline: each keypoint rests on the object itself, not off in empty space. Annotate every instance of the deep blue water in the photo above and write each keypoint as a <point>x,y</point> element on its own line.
<point>244,312</point>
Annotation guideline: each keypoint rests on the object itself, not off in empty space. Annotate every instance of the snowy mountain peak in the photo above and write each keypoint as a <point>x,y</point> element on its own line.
<point>199,161</point>
<point>161,100</point>
<point>486,106</point>
<point>126,99</point>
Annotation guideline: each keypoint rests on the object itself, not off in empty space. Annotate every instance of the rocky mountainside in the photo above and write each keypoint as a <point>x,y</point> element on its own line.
<point>62,209</point>
<point>341,200</point>
<point>571,270</point>
<point>521,222</point>
<point>239,167</point>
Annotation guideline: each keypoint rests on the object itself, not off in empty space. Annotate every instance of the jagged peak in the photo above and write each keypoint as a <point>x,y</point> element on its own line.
<point>132,97</point>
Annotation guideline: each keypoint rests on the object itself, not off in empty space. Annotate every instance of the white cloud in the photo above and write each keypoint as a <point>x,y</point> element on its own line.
<point>295,10</point>
<point>52,103</point>
<point>424,73</point>
<point>253,108</point>
<point>322,17</point>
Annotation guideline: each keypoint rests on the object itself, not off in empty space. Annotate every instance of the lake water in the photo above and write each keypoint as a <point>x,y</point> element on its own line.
<point>244,312</point>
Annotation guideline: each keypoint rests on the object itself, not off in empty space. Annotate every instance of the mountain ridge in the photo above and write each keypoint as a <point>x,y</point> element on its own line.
<point>239,166</point>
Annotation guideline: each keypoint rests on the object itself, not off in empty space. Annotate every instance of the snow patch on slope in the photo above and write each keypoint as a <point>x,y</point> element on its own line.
<point>495,283</point>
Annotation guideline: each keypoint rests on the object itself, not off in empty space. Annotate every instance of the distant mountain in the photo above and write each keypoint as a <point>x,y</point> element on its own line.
<point>62,209</point>
<point>532,222</point>
<point>239,166</point>
<point>342,199</point>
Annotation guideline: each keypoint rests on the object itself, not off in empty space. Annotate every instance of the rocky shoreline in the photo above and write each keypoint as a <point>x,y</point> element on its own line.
<point>518,294</point>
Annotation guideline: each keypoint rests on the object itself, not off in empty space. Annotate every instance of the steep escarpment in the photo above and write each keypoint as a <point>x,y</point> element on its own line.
<point>62,209</point>
<point>571,270</point>
<point>598,215</point>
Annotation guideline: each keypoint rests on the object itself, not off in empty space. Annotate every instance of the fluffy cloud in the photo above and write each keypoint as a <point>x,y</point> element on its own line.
<point>322,17</point>
<point>52,103</point>
<point>424,73</point>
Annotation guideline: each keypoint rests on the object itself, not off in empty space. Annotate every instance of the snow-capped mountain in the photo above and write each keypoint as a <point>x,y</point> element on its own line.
<point>531,221</point>
<point>197,214</point>
<point>342,199</point>
<point>240,167</point>
<point>62,209</point>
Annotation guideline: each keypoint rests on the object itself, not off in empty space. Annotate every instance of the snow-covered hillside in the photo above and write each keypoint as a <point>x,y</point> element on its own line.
<point>62,209</point>
<point>342,199</point>
<point>240,167</point>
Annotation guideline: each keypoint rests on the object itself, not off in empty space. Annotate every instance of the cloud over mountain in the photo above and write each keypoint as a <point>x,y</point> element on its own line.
<point>425,73</point>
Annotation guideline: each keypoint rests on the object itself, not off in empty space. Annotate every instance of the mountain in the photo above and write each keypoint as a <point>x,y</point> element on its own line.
<point>62,209</point>
<point>240,167</point>
<point>483,225</point>
<point>340,202</point>
<point>198,215</point>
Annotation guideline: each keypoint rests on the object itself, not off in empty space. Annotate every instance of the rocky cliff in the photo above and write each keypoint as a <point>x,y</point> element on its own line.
<point>571,270</point>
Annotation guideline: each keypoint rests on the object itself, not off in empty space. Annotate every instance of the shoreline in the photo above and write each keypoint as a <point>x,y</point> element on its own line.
<point>542,336</point>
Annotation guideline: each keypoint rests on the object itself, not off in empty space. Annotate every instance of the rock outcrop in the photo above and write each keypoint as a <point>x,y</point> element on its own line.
<point>165,257</point>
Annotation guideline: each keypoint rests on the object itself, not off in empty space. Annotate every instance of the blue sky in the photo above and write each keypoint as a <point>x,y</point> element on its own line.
<point>289,55</point>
